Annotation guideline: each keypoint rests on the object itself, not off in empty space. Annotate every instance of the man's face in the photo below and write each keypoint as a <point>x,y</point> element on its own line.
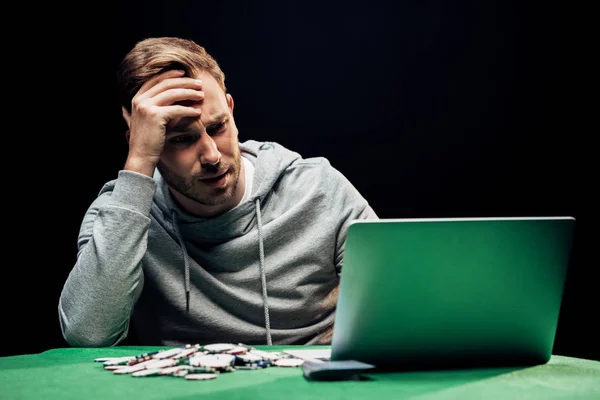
<point>201,159</point>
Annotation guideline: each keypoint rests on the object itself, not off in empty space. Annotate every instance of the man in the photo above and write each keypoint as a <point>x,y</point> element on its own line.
<point>201,238</point>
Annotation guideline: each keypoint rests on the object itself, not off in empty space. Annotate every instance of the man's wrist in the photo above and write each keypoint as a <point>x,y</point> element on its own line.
<point>134,191</point>
<point>140,165</point>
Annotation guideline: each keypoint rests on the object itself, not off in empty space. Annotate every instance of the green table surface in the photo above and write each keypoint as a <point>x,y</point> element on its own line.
<point>71,373</point>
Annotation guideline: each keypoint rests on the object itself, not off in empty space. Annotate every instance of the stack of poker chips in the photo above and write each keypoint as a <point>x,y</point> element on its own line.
<point>198,362</point>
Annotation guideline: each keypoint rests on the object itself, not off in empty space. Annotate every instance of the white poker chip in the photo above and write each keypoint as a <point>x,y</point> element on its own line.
<point>168,362</point>
<point>174,370</point>
<point>289,362</point>
<point>219,347</point>
<point>168,353</point>
<point>113,367</point>
<point>266,355</point>
<point>185,353</point>
<point>112,360</point>
<point>140,366</point>
<point>128,370</point>
<point>200,377</point>
<point>236,350</point>
<point>147,372</point>
<point>119,361</point>
<point>212,360</point>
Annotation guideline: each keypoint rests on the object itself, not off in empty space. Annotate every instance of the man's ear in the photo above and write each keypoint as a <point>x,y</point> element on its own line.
<point>229,102</point>
<point>126,116</point>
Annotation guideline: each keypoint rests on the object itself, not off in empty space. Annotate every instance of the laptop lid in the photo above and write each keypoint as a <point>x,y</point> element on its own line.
<point>452,292</point>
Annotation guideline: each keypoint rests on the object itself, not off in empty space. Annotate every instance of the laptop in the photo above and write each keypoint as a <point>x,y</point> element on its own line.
<point>421,294</point>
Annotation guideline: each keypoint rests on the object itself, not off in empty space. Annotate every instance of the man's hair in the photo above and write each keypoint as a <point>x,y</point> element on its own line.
<point>152,56</point>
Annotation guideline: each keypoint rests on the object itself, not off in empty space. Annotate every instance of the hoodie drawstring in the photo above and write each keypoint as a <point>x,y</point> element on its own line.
<point>263,276</point>
<point>185,261</point>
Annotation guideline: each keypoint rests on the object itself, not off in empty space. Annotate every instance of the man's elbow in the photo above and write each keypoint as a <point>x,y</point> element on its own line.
<point>79,334</point>
<point>75,339</point>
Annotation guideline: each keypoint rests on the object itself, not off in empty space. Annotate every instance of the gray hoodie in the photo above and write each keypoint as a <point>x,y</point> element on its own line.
<point>266,271</point>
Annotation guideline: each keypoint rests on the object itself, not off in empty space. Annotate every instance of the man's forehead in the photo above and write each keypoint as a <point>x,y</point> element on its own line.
<point>206,119</point>
<point>213,112</point>
<point>214,96</point>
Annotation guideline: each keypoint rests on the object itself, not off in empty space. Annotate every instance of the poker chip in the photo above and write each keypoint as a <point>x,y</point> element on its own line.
<point>174,370</point>
<point>200,377</point>
<point>147,372</point>
<point>149,364</point>
<point>168,353</point>
<point>236,350</point>
<point>113,360</point>
<point>170,362</point>
<point>219,347</point>
<point>202,370</point>
<point>128,370</point>
<point>288,362</point>
<point>185,353</point>
<point>212,360</point>
<point>113,367</point>
<point>248,358</point>
<point>265,355</point>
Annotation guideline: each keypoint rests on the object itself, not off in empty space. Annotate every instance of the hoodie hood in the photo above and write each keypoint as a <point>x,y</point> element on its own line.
<point>270,161</point>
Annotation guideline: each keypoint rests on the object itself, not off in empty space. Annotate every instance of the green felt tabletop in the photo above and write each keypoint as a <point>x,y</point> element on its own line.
<point>71,373</point>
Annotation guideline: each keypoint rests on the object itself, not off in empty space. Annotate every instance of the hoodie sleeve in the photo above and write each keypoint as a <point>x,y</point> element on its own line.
<point>347,205</point>
<point>100,291</point>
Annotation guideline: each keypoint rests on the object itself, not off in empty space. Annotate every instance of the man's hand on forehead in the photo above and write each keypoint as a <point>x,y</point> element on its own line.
<point>162,101</point>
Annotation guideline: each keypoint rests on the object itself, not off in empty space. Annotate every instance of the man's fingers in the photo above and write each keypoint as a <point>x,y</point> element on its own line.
<point>178,111</point>
<point>173,96</point>
<point>170,84</point>
<point>159,78</point>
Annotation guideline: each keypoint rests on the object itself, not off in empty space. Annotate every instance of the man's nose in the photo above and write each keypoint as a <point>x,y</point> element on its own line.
<point>208,151</point>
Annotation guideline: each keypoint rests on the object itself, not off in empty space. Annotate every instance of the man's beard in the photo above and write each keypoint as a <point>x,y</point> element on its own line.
<point>196,191</point>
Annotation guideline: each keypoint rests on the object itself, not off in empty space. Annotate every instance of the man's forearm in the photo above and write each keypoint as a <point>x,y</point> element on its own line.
<point>101,290</point>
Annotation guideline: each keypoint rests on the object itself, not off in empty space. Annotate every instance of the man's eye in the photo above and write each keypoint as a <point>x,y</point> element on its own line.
<point>182,139</point>
<point>213,130</point>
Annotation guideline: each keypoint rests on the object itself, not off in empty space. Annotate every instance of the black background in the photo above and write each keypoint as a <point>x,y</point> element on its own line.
<point>431,108</point>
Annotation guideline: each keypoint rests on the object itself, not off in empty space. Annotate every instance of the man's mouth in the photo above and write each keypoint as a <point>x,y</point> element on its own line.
<point>216,181</point>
